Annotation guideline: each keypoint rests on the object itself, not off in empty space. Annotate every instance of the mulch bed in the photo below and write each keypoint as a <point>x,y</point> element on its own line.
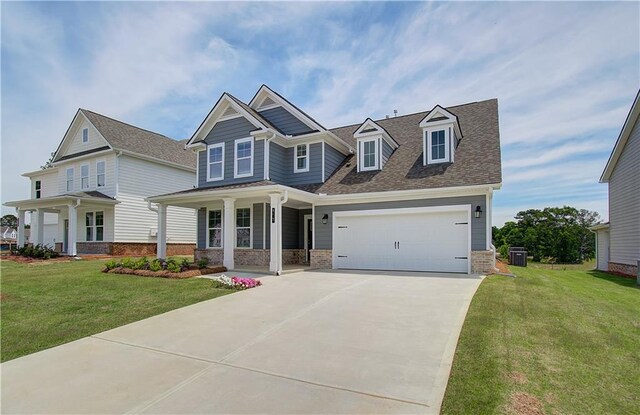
<point>502,267</point>
<point>27,260</point>
<point>190,273</point>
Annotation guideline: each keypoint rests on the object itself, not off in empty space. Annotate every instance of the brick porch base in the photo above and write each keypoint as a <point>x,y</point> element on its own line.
<point>131,248</point>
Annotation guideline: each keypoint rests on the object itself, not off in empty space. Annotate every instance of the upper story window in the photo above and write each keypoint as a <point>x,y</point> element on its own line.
<point>243,228</point>
<point>85,135</point>
<point>215,229</point>
<point>441,136</point>
<point>368,154</point>
<point>438,145</point>
<point>84,176</point>
<point>101,173</point>
<point>243,165</point>
<point>301,158</point>
<point>38,186</point>
<point>215,162</point>
<point>70,173</point>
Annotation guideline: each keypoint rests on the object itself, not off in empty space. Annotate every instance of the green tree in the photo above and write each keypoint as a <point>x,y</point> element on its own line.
<point>9,220</point>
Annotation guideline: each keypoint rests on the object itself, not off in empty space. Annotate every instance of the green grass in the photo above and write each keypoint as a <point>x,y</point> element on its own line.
<point>47,304</point>
<point>585,266</point>
<point>549,340</point>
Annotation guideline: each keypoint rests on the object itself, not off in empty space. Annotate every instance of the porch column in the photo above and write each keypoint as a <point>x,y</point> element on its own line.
<point>162,232</point>
<point>275,218</point>
<point>73,230</point>
<point>21,215</point>
<point>38,232</point>
<point>229,231</point>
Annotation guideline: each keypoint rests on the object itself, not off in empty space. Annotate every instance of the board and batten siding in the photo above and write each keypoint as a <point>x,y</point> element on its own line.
<point>227,132</point>
<point>324,233</point>
<point>332,159</point>
<point>624,203</point>
<point>74,144</point>
<point>281,165</point>
<point>139,179</point>
<point>286,122</point>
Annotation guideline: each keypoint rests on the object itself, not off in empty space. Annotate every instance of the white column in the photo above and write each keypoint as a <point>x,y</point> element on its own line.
<point>38,232</point>
<point>21,215</point>
<point>162,232</point>
<point>275,218</point>
<point>229,232</point>
<point>73,231</point>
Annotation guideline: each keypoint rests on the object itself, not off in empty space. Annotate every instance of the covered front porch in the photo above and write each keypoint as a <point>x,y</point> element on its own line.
<point>255,227</point>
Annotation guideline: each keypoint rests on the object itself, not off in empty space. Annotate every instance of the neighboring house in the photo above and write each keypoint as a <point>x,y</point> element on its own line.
<point>8,233</point>
<point>275,187</point>
<point>91,200</point>
<point>618,241</point>
<point>8,238</point>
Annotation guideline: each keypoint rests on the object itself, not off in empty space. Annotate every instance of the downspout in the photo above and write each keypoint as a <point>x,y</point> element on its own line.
<point>151,208</point>
<point>266,156</point>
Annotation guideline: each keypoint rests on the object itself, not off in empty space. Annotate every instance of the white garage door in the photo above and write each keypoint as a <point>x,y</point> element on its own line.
<point>415,239</point>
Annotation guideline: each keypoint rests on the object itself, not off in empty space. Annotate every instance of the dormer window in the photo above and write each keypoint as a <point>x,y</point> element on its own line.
<point>441,135</point>
<point>368,154</point>
<point>85,135</point>
<point>301,162</point>
<point>437,145</point>
<point>375,145</point>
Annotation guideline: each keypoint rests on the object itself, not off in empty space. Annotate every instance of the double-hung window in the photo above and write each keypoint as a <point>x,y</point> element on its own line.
<point>243,165</point>
<point>84,176</point>
<point>215,228</point>
<point>369,155</point>
<point>243,228</point>
<point>301,156</point>
<point>70,173</point>
<point>101,173</point>
<point>437,146</point>
<point>94,223</point>
<point>215,162</point>
<point>38,186</point>
<point>85,135</point>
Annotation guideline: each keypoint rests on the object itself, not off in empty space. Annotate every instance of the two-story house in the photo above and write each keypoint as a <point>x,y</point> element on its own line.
<point>618,241</point>
<point>91,199</point>
<point>275,187</point>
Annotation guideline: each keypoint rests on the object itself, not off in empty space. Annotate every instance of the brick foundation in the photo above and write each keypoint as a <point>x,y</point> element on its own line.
<point>626,270</point>
<point>254,257</point>
<point>322,258</point>
<point>293,257</point>
<point>482,262</point>
<point>214,256</point>
<point>131,248</point>
<point>251,257</point>
<point>104,248</point>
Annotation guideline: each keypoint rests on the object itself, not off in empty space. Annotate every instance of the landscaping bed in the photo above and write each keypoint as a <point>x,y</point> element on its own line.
<point>169,268</point>
<point>193,271</point>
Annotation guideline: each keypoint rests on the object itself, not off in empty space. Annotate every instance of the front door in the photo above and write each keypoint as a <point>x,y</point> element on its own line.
<point>308,237</point>
<point>65,248</point>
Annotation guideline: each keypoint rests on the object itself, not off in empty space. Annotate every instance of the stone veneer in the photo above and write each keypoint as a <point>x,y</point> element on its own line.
<point>482,262</point>
<point>322,258</point>
<point>624,269</point>
<point>131,248</point>
<point>252,257</point>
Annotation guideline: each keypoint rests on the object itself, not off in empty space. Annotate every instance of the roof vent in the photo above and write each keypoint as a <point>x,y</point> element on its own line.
<point>395,113</point>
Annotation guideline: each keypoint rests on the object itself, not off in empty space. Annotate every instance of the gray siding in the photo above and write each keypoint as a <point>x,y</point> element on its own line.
<point>258,225</point>
<point>332,159</point>
<point>624,203</point>
<point>386,152</point>
<point>267,242</point>
<point>202,228</point>
<point>478,226</point>
<point>290,228</point>
<point>281,165</point>
<point>228,131</point>
<point>301,214</point>
<point>285,121</point>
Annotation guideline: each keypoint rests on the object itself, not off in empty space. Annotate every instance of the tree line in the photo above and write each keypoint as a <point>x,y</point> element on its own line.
<point>560,234</point>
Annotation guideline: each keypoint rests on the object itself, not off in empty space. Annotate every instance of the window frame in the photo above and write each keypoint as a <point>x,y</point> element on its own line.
<point>209,162</point>
<point>98,174</point>
<point>72,181</point>
<point>93,227</point>
<point>209,229</point>
<point>88,177</point>
<point>85,135</point>
<point>237,142</point>
<point>305,157</point>
<point>361,143</point>
<point>38,189</point>
<point>250,227</point>
<point>428,145</point>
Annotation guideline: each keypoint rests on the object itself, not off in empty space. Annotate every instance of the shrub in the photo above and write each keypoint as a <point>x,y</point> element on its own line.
<point>203,262</point>
<point>128,263</point>
<point>184,264</point>
<point>173,267</point>
<point>142,263</point>
<point>111,264</point>
<point>155,265</point>
<point>37,251</point>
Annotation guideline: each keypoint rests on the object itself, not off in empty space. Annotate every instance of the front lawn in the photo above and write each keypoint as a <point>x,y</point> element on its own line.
<point>549,341</point>
<point>45,304</point>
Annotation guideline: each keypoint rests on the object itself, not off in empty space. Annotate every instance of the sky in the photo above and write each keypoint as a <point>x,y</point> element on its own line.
<point>565,75</point>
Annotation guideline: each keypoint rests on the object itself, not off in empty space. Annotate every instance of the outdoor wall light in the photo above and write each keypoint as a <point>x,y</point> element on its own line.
<point>478,211</point>
<point>325,219</point>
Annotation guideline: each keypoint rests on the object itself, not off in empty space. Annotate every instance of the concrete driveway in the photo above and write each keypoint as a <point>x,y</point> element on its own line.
<point>310,342</point>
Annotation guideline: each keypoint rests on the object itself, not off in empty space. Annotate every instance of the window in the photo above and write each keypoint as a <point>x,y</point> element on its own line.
<point>38,185</point>
<point>243,228</point>
<point>301,158</point>
<point>85,135</point>
<point>368,155</point>
<point>94,222</point>
<point>215,162</point>
<point>244,158</point>
<point>437,145</point>
<point>100,174</point>
<point>70,180</point>
<point>84,176</point>
<point>215,229</point>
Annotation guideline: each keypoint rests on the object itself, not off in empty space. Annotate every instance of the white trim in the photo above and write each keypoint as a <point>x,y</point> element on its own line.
<point>296,157</point>
<point>623,137</point>
<point>73,179</point>
<point>323,171</point>
<point>197,184</point>
<point>94,227</point>
<point>229,117</point>
<point>88,176</point>
<point>221,210</point>
<point>209,147</point>
<point>488,213</point>
<point>235,157</point>
<point>427,141</point>
<point>361,142</point>
<point>235,228</point>
<point>265,90</point>
<point>305,218</point>
<point>313,217</point>
<point>264,226</point>
<point>379,132</point>
<point>402,211</point>
<point>98,174</point>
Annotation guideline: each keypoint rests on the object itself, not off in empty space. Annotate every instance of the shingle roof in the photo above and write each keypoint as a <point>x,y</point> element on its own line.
<point>123,136</point>
<point>477,157</point>
<point>223,187</point>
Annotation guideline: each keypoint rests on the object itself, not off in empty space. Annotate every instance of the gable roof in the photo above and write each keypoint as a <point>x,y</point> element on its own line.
<point>478,158</point>
<point>369,126</point>
<point>126,137</point>
<point>629,123</point>
<point>297,112</point>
